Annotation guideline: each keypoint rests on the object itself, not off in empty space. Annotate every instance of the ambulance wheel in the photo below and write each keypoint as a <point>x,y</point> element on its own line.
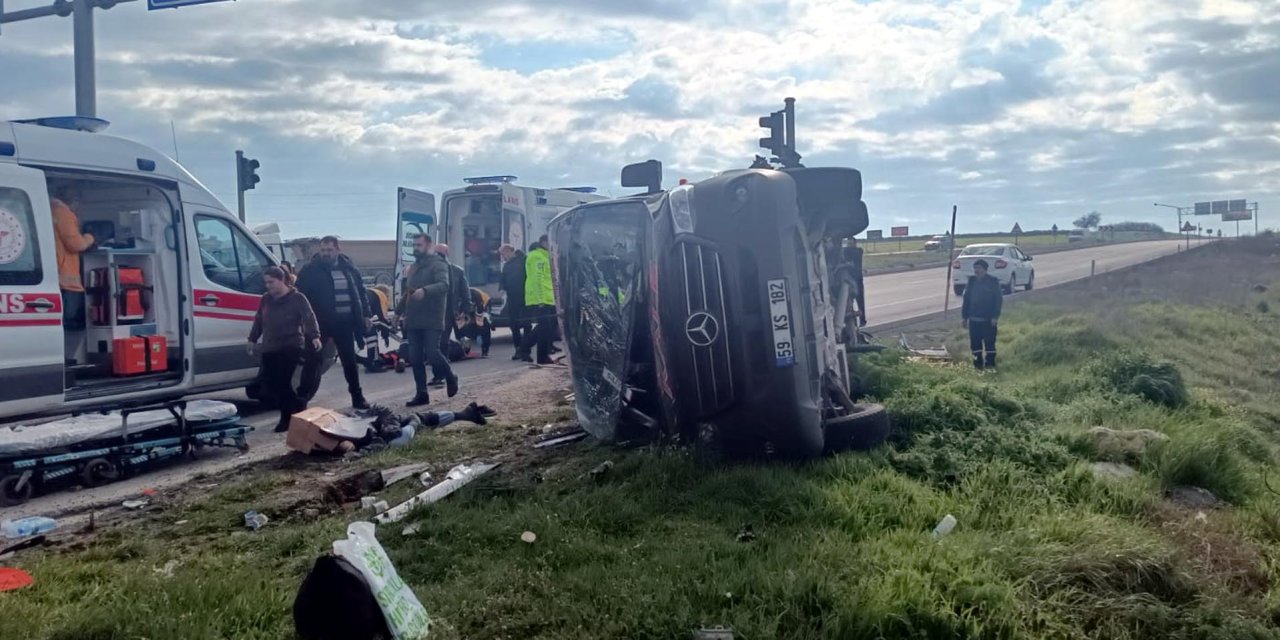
<point>99,471</point>
<point>11,495</point>
<point>866,428</point>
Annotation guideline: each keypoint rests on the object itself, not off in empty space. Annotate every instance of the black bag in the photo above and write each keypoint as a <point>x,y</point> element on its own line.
<point>335,603</point>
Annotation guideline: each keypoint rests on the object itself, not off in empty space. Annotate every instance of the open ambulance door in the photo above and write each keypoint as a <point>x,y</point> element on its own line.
<point>227,284</point>
<point>31,344</point>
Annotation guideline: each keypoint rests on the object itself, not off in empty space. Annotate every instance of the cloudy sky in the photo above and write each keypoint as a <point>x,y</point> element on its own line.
<point>1027,111</point>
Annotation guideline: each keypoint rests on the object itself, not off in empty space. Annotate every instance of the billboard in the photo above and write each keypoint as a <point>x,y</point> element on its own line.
<point>1236,216</point>
<point>898,232</point>
<point>415,214</point>
<point>1203,208</point>
<point>1237,205</point>
<point>1219,207</point>
<point>875,234</point>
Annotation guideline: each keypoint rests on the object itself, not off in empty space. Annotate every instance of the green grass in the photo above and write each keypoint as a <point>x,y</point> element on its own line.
<point>842,549</point>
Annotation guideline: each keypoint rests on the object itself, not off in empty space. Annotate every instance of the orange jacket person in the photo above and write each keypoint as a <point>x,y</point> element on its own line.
<point>69,243</point>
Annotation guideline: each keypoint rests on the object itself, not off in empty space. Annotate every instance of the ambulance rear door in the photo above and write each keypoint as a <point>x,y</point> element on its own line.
<point>31,344</point>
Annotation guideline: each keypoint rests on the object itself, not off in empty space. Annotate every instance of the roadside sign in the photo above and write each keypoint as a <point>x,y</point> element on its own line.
<point>1203,208</point>
<point>875,234</point>
<point>1017,228</point>
<point>1237,205</point>
<point>1220,206</point>
<point>153,5</point>
<point>898,232</point>
<point>1236,216</point>
<point>1187,226</point>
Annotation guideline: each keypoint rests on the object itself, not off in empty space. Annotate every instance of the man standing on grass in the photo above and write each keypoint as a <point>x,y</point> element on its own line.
<point>983,301</point>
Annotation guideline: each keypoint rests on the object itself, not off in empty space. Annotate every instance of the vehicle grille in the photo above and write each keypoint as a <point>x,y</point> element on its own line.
<point>712,365</point>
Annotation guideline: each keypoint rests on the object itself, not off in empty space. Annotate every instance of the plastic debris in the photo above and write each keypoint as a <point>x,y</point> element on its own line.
<point>411,529</point>
<point>454,480</point>
<point>560,440</point>
<point>601,470</point>
<point>367,502</point>
<point>713,633</point>
<point>396,474</point>
<point>529,537</point>
<point>255,520</point>
<point>167,570</point>
<point>137,503</point>
<point>425,478</point>
<point>26,527</point>
<point>11,578</point>
<point>945,526</point>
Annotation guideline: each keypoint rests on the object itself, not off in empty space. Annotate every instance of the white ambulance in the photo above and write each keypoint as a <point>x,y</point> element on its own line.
<point>171,266</point>
<point>492,211</point>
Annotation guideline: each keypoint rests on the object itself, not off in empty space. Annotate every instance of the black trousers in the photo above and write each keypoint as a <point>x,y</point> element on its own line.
<point>544,332</point>
<point>73,304</point>
<point>515,318</point>
<point>344,340</point>
<point>277,373</point>
<point>982,341</point>
<point>483,335</point>
<point>424,347</point>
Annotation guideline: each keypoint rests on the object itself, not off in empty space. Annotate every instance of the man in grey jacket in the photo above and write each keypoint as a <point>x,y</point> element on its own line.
<point>426,295</point>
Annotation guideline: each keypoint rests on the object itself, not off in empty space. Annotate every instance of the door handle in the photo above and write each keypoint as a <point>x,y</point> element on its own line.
<point>209,300</point>
<point>40,304</point>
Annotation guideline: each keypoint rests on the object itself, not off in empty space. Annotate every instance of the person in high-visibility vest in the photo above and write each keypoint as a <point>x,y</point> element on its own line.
<point>540,303</point>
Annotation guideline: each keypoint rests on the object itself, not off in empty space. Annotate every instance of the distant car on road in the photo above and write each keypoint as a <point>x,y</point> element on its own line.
<point>936,243</point>
<point>1004,261</point>
<point>1076,235</point>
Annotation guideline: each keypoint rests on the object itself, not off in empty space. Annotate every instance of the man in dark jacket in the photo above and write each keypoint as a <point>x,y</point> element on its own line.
<point>457,304</point>
<point>512,285</point>
<point>983,301</point>
<point>426,294</point>
<point>336,291</point>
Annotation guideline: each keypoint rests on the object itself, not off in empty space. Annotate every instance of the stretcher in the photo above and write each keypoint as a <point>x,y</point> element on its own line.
<point>94,449</point>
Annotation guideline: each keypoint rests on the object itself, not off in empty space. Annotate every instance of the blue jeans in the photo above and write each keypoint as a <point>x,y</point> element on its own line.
<point>424,347</point>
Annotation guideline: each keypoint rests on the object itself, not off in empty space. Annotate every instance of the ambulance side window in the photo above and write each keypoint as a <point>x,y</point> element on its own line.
<point>19,247</point>
<point>229,258</point>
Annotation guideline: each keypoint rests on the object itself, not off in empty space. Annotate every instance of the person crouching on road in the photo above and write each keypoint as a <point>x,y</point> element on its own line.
<point>983,301</point>
<point>287,326</point>
<point>426,294</point>
<point>335,289</point>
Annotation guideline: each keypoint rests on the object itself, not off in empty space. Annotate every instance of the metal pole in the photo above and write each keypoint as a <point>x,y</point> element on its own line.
<point>950,247</point>
<point>791,122</point>
<point>240,187</point>
<point>86,82</point>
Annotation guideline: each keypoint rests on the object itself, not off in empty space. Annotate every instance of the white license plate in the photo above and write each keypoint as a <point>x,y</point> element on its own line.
<point>784,354</point>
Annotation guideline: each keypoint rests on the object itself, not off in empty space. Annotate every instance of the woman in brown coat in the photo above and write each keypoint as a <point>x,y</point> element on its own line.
<point>287,326</point>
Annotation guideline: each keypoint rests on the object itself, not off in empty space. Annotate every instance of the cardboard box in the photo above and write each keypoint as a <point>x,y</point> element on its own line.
<point>324,429</point>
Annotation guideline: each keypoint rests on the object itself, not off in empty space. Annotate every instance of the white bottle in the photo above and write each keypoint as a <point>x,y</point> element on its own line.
<point>26,527</point>
<point>945,526</point>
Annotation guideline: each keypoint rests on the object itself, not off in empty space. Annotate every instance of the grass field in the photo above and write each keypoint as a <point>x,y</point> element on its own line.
<point>841,547</point>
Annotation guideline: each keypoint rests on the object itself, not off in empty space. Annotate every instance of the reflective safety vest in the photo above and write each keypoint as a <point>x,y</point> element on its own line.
<point>538,289</point>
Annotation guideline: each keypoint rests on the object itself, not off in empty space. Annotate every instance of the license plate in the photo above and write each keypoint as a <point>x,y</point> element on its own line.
<point>784,354</point>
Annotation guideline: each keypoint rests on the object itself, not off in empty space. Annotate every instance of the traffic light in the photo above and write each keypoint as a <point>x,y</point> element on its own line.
<point>776,124</point>
<point>247,172</point>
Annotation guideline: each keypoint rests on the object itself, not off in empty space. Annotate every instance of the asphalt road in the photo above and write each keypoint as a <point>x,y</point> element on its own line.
<point>895,297</point>
<point>891,297</point>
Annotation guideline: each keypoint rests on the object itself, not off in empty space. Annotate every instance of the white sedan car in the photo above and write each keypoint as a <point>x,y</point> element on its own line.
<point>1004,261</point>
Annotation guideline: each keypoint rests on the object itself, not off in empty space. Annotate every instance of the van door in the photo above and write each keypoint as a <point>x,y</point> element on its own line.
<point>226,282</point>
<point>31,349</point>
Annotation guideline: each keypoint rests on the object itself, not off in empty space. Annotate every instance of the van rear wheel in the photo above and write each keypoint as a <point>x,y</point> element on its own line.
<point>11,495</point>
<point>864,429</point>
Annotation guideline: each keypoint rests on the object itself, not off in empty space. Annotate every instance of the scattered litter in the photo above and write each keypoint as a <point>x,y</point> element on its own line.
<point>254,520</point>
<point>149,492</point>
<point>11,579</point>
<point>425,478</point>
<point>368,502</point>
<point>167,570</point>
<point>528,537</point>
<point>714,633</point>
<point>560,440</point>
<point>411,529</point>
<point>601,470</point>
<point>136,503</point>
<point>945,526</point>
<point>330,474</point>
<point>455,479</point>
<point>180,523</point>
<point>26,527</point>
<point>1201,517</point>
<point>396,474</point>
<point>405,616</point>
<point>746,534</point>
<point>29,543</point>
<point>928,354</point>
<point>570,397</point>
<point>548,428</point>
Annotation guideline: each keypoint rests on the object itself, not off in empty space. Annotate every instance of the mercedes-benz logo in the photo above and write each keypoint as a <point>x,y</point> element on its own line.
<point>702,329</point>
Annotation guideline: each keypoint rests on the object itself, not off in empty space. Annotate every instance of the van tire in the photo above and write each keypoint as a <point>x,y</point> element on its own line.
<point>865,429</point>
<point>10,496</point>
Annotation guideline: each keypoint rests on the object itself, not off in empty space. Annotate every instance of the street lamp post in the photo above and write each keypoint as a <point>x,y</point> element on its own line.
<point>1179,210</point>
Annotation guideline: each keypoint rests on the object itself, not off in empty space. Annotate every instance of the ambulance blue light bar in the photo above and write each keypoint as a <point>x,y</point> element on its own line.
<point>579,189</point>
<point>489,179</point>
<point>73,123</point>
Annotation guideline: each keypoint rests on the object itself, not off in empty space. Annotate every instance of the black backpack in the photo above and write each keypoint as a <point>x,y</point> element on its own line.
<point>335,603</point>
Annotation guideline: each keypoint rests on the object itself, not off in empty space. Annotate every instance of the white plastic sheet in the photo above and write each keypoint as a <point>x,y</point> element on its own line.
<point>93,426</point>
<point>406,617</point>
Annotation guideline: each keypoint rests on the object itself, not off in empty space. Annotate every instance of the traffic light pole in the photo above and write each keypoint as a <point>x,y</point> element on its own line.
<point>240,187</point>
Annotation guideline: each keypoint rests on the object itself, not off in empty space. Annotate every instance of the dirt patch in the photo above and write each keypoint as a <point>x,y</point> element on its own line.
<point>1211,548</point>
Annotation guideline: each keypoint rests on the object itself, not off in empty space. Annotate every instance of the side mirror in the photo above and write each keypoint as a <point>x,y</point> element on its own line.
<point>1029,258</point>
<point>647,174</point>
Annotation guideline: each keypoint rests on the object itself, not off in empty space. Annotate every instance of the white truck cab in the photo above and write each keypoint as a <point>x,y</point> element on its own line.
<point>171,265</point>
<point>492,211</point>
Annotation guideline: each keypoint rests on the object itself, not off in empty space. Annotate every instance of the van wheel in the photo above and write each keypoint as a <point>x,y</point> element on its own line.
<point>11,495</point>
<point>862,430</point>
<point>1013,284</point>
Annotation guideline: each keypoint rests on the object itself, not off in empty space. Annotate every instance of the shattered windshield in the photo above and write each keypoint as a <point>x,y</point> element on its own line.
<point>599,264</point>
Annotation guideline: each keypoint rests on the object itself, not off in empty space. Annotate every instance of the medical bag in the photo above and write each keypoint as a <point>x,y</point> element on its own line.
<point>122,297</point>
<point>139,354</point>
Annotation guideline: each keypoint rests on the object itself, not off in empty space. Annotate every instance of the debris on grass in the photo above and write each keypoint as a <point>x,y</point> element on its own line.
<point>1119,446</point>
<point>528,537</point>
<point>714,633</point>
<point>135,504</point>
<point>167,570</point>
<point>11,579</point>
<point>559,440</point>
<point>411,529</point>
<point>945,526</point>
<point>601,470</point>
<point>454,480</point>
<point>254,520</point>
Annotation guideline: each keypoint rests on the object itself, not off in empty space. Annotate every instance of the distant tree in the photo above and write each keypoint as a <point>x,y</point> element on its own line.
<point>1149,227</point>
<point>1088,221</point>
